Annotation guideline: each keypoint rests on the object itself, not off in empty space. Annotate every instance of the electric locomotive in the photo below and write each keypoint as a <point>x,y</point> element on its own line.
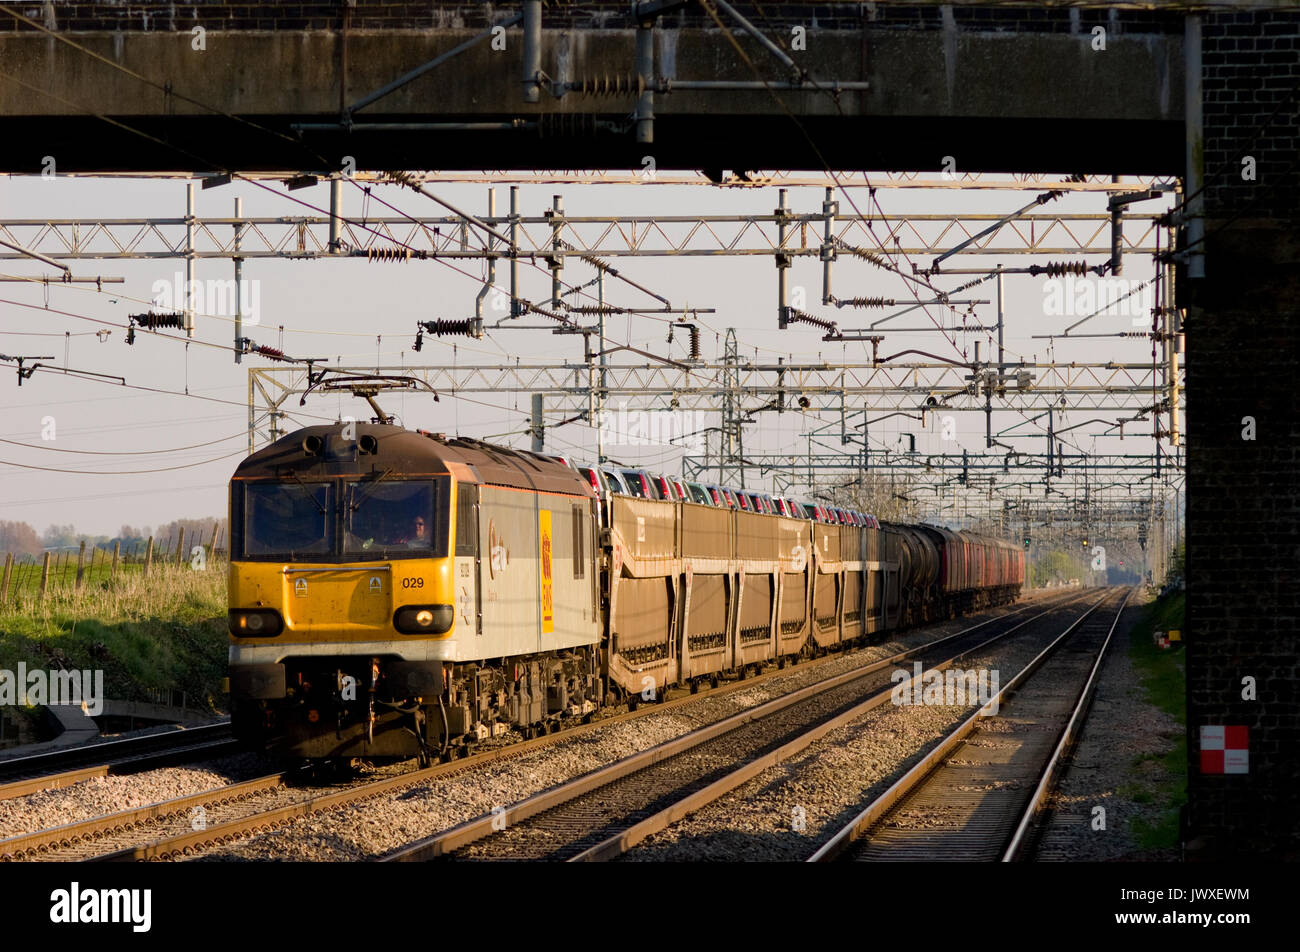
<point>391,591</point>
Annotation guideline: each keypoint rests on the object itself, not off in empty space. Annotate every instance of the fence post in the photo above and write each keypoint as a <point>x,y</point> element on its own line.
<point>4,584</point>
<point>45,575</point>
<point>117,548</point>
<point>148,556</point>
<point>81,563</point>
<point>180,546</point>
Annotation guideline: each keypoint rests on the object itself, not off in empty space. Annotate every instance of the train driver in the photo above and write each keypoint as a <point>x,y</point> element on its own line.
<point>420,534</point>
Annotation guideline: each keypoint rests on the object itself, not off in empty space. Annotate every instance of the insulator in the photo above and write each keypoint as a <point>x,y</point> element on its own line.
<point>596,309</point>
<point>865,255</point>
<point>598,263</point>
<point>443,327</point>
<point>389,254</point>
<point>572,124</point>
<point>531,308</point>
<point>607,86</point>
<point>402,178</point>
<point>796,316</point>
<point>153,321</point>
<point>270,353</point>
<point>966,286</point>
<point>869,302</point>
<point>1055,269</point>
<point>694,344</point>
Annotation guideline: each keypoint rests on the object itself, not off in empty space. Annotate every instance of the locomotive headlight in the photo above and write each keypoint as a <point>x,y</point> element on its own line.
<point>424,619</point>
<point>254,622</point>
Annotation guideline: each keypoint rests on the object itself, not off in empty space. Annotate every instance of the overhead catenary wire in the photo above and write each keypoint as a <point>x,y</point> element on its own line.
<point>176,449</point>
<point>712,11</point>
<point>129,472</point>
<point>15,504</point>
<point>528,304</point>
<point>840,184</point>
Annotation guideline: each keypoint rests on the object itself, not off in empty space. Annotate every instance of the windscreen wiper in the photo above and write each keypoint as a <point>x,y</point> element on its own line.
<point>369,489</point>
<point>310,495</point>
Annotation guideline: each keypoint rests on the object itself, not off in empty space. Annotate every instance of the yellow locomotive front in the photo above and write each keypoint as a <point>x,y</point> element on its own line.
<point>342,593</point>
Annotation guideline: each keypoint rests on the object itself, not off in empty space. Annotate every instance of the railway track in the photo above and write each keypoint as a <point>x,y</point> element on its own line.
<point>167,829</point>
<point>603,813</point>
<point>21,776</point>
<point>975,796</point>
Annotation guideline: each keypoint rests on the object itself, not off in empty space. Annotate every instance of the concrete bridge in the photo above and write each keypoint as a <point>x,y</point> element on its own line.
<point>589,85</point>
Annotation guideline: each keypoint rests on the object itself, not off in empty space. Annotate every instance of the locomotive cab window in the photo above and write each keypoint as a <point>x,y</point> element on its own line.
<point>466,519</point>
<point>286,519</point>
<point>396,518</point>
<point>579,550</point>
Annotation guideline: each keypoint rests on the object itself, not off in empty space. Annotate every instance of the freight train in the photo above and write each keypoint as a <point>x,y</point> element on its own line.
<point>397,593</point>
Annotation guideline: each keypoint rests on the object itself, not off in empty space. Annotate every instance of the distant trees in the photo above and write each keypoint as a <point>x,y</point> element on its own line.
<point>194,529</point>
<point>1177,565</point>
<point>61,537</point>
<point>1056,567</point>
<point>20,539</point>
<point>881,496</point>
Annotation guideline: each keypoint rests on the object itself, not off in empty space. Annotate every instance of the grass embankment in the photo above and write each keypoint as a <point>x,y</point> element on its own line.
<point>25,575</point>
<point>1164,680</point>
<point>148,634</point>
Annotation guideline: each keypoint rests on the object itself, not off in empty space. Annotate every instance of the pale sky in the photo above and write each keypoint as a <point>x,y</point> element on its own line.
<point>335,308</point>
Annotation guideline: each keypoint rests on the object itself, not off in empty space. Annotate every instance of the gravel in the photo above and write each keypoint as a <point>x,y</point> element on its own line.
<point>376,827</point>
<point>1116,765</point>
<point>828,783</point>
<point>100,796</point>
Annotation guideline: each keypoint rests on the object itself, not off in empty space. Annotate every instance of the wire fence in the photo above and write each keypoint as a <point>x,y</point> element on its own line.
<point>26,575</point>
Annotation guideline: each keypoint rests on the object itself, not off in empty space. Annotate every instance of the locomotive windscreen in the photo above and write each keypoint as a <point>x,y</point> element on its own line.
<point>286,519</point>
<point>398,518</point>
<point>355,520</point>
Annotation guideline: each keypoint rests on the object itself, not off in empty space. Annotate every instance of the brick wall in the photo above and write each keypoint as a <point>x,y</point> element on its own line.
<point>1242,331</point>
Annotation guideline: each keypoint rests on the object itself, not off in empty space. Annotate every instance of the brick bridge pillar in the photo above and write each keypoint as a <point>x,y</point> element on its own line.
<point>1243,495</point>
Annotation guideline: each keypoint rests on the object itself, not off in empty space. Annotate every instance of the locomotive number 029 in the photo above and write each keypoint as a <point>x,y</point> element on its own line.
<point>413,582</point>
